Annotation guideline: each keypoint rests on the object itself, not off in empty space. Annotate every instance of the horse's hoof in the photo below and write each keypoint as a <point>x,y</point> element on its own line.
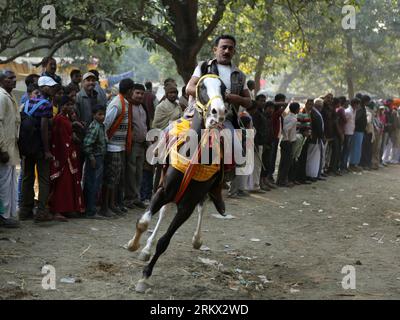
<point>142,286</point>
<point>133,245</point>
<point>144,256</point>
<point>197,244</point>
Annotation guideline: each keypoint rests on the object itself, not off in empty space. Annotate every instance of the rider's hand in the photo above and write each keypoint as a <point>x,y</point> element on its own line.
<point>233,98</point>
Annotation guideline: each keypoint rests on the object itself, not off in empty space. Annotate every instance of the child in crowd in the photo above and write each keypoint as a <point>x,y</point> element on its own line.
<point>94,148</point>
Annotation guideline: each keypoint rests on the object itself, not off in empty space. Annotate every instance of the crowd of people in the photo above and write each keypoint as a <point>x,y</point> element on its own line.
<point>328,136</point>
<point>86,148</point>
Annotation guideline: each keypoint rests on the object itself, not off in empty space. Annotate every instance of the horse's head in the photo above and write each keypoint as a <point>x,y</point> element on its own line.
<point>210,98</point>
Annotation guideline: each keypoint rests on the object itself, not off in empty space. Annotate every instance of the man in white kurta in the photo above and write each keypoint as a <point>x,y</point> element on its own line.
<point>315,147</point>
<point>9,156</point>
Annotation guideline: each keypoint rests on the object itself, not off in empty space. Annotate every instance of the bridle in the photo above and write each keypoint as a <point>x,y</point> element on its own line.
<point>203,108</point>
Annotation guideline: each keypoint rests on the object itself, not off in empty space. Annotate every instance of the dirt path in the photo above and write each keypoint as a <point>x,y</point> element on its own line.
<point>306,235</point>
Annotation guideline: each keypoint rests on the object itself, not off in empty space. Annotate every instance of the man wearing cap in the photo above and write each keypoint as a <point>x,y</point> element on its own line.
<point>87,99</point>
<point>40,157</point>
<point>167,110</point>
<point>9,155</point>
<point>102,95</point>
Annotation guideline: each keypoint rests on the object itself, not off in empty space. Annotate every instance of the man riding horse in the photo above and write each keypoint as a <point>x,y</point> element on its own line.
<point>184,182</point>
<point>237,93</point>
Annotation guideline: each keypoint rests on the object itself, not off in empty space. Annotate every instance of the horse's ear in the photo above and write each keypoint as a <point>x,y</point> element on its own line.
<point>223,89</point>
<point>203,68</point>
<point>203,96</point>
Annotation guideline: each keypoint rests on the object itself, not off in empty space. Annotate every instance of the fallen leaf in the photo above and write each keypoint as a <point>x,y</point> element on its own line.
<point>9,239</point>
<point>227,217</point>
<point>233,287</point>
<point>210,262</point>
<point>68,280</point>
<point>264,279</point>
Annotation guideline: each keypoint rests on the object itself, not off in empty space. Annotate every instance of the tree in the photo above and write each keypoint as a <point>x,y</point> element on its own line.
<point>22,32</point>
<point>347,61</point>
<point>175,26</point>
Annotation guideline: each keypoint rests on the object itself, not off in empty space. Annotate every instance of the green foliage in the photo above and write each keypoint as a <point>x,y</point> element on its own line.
<point>280,39</point>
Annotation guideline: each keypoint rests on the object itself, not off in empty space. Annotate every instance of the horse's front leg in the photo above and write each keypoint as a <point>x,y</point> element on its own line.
<point>143,223</point>
<point>141,226</point>
<point>145,253</point>
<point>164,195</point>
<point>196,240</point>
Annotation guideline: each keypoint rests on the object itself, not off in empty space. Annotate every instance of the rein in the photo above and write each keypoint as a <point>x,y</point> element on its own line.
<point>202,109</point>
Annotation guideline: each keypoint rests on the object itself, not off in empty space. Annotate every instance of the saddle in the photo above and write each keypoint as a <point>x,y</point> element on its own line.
<point>202,172</point>
<point>177,135</point>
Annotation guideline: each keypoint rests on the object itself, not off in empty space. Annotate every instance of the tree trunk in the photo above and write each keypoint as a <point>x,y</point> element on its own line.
<point>188,38</point>
<point>259,69</point>
<point>267,31</point>
<point>287,80</point>
<point>349,66</point>
<point>185,65</point>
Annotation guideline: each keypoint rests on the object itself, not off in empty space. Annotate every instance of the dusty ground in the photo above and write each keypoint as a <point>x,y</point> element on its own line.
<point>307,234</point>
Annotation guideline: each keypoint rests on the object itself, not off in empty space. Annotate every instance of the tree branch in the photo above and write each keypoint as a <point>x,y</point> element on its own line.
<point>212,25</point>
<point>43,46</point>
<point>159,37</point>
<point>59,44</point>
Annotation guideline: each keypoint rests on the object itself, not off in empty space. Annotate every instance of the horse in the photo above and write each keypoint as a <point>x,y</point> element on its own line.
<point>182,186</point>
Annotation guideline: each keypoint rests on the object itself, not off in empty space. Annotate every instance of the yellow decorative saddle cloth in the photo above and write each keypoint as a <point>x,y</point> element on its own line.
<point>179,130</point>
